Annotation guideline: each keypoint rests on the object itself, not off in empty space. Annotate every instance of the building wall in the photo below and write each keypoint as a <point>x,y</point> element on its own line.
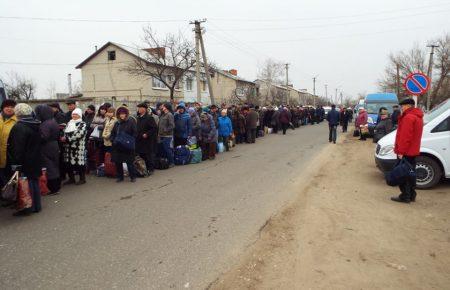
<point>223,88</point>
<point>190,96</point>
<point>106,79</point>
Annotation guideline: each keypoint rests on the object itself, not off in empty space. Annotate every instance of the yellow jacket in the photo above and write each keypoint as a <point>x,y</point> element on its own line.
<point>5,128</point>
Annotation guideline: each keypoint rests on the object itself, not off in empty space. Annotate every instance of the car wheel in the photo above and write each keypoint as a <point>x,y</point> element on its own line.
<point>428,172</point>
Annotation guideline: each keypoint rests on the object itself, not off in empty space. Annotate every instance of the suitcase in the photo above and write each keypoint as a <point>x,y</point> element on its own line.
<point>162,163</point>
<point>140,167</point>
<point>181,155</point>
<point>110,167</point>
<point>196,155</point>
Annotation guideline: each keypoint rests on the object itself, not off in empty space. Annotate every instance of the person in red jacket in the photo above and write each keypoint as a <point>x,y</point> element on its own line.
<point>407,145</point>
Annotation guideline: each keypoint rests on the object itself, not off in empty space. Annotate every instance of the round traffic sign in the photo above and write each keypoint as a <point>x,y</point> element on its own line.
<point>417,83</point>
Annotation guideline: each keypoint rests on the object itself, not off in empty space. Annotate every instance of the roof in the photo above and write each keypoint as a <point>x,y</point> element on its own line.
<point>232,76</point>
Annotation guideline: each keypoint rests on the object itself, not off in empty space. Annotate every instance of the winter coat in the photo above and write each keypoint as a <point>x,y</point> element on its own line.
<point>394,117</point>
<point>119,154</point>
<point>99,122</point>
<point>24,147</point>
<point>251,119</point>
<point>333,117</point>
<point>5,129</point>
<point>182,125</point>
<point>239,123</point>
<point>75,145</point>
<point>275,122</point>
<point>268,118</point>
<point>361,119</point>
<point>60,118</point>
<point>208,130</point>
<point>195,124</point>
<point>109,125</point>
<point>146,125</point>
<point>383,128</point>
<point>166,125</point>
<point>409,133</point>
<point>49,130</point>
<point>284,117</point>
<point>215,117</point>
<point>225,127</point>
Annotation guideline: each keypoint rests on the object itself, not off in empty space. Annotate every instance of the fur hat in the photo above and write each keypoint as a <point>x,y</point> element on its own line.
<point>23,110</point>
<point>8,103</point>
<point>407,101</point>
<point>122,110</point>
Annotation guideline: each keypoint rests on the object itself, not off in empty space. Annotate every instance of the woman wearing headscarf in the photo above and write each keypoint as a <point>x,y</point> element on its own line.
<point>97,126</point>
<point>49,130</point>
<point>195,122</point>
<point>74,147</point>
<point>225,129</point>
<point>123,134</point>
<point>7,121</point>
<point>238,124</point>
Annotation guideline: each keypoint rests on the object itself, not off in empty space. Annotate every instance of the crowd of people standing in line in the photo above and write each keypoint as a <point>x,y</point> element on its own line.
<point>67,145</point>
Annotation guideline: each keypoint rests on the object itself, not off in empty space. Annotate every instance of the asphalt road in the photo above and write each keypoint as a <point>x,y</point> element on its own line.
<point>179,228</point>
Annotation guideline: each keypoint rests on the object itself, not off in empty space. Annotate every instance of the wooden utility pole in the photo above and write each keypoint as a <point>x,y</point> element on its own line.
<point>430,73</point>
<point>199,37</point>
<point>314,91</point>
<point>197,66</point>
<point>326,93</point>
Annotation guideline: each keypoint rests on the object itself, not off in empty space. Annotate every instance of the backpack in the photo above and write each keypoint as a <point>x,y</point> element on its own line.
<point>182,155</point>
<point>140,167</point>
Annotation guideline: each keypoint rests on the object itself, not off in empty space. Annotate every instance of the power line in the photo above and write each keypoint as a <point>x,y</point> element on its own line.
<point>89,20</point>
<point>333,24</point>
<point>328,17</point>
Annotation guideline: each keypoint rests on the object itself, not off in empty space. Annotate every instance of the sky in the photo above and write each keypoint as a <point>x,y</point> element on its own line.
<point>344,44</point>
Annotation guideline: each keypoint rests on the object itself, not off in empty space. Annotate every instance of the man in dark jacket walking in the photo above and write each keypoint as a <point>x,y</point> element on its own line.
<point>395,115</point>
<point>333,122</point>
<point>147,132</point>
<point>24,152</point>
<point>407,145</point>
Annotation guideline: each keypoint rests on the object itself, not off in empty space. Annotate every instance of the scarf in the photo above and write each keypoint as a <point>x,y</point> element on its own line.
<point>72,126</point>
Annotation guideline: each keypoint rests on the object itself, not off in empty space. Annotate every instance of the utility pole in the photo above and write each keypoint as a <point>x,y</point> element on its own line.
<point>326,92</point>
<point>314,90</point>
<point>69,84</point>
<point>398,80</point>
<point>287,84</point>
<point>430,74</point>
<point>336,96</point>
<point>197,65</point>
<point>199,37</point>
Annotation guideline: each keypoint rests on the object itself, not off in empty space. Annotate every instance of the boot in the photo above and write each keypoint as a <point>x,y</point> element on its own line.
<point>82,178</point>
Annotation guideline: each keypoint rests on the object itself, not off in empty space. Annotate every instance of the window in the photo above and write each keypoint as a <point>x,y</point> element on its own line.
<point>189,84</point>
<point>203,86</point>
<point>112,55</point>
<point>444,126</point>
<point>156,83</point>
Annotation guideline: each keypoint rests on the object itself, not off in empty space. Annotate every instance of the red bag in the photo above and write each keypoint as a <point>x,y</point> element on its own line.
<point>43,183</point>
<point>110,167</point>
<point>24,200</point>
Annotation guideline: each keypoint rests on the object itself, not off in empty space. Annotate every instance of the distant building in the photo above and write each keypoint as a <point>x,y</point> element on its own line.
<point>229,88</point>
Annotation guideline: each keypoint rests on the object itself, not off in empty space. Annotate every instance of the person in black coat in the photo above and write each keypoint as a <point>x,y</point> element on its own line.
<point>71,105</point>
<point>395,115</point>
<point>24,152</point>
<point>147,133</point>
<point>50,134</point>
<point>333,122</point>
<point>344,119</point>
<point>124,130</point>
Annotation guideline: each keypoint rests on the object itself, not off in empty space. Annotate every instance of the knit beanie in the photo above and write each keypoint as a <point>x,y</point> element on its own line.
<point>78,112</point>
<point>23,110</point>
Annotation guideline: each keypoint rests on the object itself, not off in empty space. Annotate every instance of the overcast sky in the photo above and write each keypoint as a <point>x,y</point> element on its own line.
<point>345,43</point>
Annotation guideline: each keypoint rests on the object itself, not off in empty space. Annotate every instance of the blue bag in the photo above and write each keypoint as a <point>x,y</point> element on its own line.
<point>125,141</point>
<point>196,155</point>
<point>181,155</point>
<point>400,173</point>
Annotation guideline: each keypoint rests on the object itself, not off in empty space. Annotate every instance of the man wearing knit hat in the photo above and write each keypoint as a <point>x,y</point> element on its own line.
<point>7,121</point>
<point>407,145</point>
<point>24,153</point>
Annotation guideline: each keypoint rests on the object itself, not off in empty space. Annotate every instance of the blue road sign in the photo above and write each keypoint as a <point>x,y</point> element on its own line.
<point>417,84</point>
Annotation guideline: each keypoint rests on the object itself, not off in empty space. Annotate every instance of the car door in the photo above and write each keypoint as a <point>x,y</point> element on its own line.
<point>441,138</point>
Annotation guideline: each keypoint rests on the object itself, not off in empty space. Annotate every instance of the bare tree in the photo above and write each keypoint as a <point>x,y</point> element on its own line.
<point>416,60</point>
<point>165,59</point>
<point>20,87</point>
<point>271,73</point>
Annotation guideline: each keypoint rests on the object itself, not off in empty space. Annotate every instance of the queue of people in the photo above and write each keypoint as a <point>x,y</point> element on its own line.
<point>49,148</point>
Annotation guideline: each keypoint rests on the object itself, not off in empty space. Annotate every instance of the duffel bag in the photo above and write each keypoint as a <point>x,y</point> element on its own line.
<point>196,156</point>
<point>161,163</point>
<point>110,167</point>
<point>181,155</point>
<point>140,167</point>
<point>400,173</point>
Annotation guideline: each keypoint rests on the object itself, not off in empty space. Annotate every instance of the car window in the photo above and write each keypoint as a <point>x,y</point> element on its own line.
<point>438,110</point>
<point>442,127</point>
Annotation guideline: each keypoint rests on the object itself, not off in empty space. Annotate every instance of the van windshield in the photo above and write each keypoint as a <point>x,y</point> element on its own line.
<point>439,109</point>
<point>374,108</point>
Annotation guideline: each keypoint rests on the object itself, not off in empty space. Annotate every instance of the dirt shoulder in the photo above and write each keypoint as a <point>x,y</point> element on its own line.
<point>343,232</point>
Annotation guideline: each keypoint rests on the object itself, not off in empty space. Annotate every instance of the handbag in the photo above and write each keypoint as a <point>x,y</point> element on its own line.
<point>356,133</point>
<point>24,200</point>
<point>95,133</point>
<point>9,191</point>
<point>365,130</point>
<point>124,140</point>
<point>43,183</point>
<point>402,171</point>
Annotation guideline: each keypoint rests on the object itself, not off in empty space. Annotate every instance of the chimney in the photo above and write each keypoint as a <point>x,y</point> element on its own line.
<point>96,48</point>
<point>159,52</point>
<point>233,72</point>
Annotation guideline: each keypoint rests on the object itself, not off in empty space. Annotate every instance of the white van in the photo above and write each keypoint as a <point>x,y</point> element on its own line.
<point>434,161</point>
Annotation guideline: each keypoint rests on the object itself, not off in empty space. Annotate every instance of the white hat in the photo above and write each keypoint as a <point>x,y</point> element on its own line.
<point>78,112</point>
